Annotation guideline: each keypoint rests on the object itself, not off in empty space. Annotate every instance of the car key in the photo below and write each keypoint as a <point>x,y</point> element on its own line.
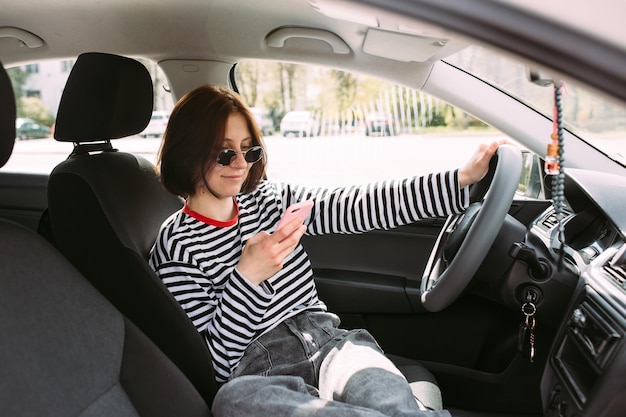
<point>529,309</point>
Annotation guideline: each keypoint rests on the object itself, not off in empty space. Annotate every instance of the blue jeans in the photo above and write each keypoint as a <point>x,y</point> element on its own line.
<point>307,366</point>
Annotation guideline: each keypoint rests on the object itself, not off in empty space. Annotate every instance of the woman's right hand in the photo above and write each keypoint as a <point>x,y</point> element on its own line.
<point>263,254</point>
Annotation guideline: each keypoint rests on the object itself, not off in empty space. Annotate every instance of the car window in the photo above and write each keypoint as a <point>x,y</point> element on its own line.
<point>334,128</point>
<point>322,127</point>
<point>38,88</point>
<point>593,117</point>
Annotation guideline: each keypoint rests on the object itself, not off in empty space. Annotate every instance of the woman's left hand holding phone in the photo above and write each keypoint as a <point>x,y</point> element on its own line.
<point>264,253</point>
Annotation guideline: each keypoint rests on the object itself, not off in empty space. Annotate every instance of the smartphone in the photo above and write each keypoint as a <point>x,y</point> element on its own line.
<point>298,210</point>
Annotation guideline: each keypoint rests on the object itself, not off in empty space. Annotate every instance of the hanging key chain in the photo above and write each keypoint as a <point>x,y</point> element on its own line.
<point>529,309</point>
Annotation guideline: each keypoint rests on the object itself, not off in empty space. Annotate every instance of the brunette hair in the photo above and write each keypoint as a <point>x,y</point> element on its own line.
<point>195,135</point>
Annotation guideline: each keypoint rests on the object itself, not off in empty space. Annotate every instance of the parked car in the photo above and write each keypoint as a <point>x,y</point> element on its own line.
<point>265,122</point>
<point>29,129</point>
<point>156,126</point>
<point>380,123</point>
<point>300,123</point>
<point>517,314</point>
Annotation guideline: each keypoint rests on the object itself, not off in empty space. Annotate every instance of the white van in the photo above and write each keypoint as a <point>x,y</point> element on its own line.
<point>157,125</point>
<point>300,123</point>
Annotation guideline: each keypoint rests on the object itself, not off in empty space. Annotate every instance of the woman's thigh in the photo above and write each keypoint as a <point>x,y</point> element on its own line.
<point>294,347</point>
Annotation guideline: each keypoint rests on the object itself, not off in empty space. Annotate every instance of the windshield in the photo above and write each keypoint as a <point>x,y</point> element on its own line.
<point>593,117</point>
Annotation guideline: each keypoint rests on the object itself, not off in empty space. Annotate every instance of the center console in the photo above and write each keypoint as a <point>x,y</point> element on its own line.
<point>586,375</point>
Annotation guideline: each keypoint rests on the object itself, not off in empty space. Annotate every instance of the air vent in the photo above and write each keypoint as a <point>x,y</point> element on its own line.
<point>550,221</point>
<point>618,274</point>
<point>616,267</point>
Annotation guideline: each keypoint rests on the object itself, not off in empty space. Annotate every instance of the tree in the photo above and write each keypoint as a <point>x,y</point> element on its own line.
<point>287,77</point>
<point>249,81</point>
<point>33,108</point>
<point>346,88</point>
<point>18,78</point>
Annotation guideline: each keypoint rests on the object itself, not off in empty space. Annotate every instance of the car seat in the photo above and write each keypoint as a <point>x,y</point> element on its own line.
<point>105,207</point>
<point>64,349</point>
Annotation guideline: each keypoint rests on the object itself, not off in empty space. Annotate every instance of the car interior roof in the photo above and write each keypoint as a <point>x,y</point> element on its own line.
<point>206,35</point>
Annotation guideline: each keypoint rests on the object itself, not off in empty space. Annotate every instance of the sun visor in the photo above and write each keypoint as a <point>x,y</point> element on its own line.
<point>408,47</point>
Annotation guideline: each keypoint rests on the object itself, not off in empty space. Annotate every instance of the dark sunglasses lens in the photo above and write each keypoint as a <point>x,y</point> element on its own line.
<point>226,157</point>
<point>254,154</point>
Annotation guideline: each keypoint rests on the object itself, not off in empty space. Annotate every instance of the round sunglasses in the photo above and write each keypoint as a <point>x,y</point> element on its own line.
<point>227,156</point>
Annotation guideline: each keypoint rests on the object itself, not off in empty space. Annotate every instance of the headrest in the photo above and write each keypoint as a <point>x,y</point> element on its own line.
<point>106,97</point>
<point>7,117</point>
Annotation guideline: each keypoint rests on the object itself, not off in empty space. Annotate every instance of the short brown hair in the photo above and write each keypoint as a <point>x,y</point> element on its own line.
<point>195,135</point>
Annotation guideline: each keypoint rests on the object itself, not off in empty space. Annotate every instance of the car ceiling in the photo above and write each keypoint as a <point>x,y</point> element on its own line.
<point>157,29</point>
<point>228,30</point>
<point>188,30</point>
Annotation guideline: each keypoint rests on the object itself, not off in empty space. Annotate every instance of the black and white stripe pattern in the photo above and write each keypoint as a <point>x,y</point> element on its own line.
<point>197,261</point>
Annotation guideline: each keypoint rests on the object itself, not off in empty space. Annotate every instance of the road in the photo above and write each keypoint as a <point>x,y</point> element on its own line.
<point>325,161</point>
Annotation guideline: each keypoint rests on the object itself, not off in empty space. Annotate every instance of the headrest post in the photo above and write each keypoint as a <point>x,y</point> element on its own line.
<point>81,149</point>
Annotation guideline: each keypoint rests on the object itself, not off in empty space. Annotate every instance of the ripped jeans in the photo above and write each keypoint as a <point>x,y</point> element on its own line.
<point>307,366</point>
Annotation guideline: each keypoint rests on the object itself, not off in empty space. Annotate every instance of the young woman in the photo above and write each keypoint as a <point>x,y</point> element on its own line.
<point>248,287</point>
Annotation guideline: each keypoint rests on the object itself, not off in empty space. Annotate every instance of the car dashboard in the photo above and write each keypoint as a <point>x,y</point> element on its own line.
<point>585,374</point>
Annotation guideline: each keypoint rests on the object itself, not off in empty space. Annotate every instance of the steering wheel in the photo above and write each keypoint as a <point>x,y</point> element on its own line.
<point>466,238</point>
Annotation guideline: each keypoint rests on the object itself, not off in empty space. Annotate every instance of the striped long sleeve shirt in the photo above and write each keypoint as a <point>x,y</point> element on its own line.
<point>196,257</point>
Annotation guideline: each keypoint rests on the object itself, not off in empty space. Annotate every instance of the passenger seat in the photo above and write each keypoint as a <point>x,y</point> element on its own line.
<point>65,350</point>
<point>106,206</point>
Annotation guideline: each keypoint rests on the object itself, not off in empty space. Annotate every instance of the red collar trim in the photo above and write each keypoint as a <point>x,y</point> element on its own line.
<point>208,220</point>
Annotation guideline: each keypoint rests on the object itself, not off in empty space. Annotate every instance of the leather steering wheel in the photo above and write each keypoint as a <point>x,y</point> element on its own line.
<point>466,238</point>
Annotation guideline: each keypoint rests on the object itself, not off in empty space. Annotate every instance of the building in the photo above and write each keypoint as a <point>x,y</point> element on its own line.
<point>46,80</point>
